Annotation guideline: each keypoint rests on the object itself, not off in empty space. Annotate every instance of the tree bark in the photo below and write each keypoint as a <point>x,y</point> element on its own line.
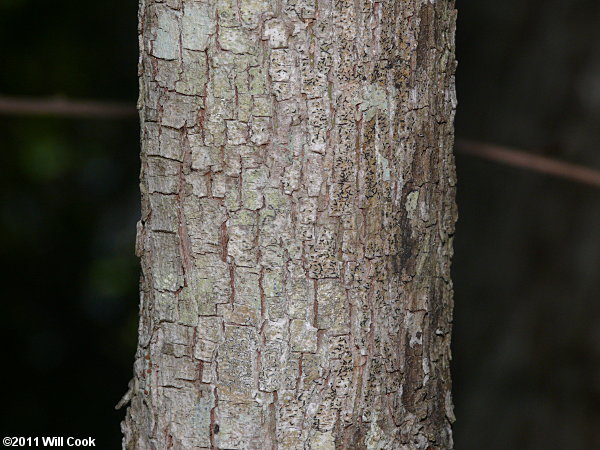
<point>297,217</point>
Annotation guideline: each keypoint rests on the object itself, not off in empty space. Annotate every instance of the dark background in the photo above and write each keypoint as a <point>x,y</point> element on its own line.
<point>527,261</point>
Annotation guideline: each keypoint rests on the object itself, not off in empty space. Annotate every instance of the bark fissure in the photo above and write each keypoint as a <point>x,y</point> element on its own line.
<point>297,218</point>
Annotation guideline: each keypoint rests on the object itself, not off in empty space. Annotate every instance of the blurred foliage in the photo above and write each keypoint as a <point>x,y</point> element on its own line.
<point>68,207</point>
<point>526,271</point>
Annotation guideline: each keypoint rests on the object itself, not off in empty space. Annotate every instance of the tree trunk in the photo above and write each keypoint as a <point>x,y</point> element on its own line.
<point>297,218</point>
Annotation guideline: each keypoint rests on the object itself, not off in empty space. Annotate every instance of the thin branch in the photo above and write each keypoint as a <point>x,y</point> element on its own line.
<point>59,107</point>
<point>525,160</point>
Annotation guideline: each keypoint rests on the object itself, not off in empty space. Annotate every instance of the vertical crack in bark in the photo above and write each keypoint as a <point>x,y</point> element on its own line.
<point>298,212</point>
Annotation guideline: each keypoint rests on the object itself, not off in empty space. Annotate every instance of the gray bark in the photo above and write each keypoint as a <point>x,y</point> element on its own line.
<point>297,219</point>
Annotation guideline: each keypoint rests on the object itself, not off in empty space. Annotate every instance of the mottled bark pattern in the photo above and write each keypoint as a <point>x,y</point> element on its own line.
<point>296,234</point>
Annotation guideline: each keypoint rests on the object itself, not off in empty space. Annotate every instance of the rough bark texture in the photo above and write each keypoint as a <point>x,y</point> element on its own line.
<point>296,234</point>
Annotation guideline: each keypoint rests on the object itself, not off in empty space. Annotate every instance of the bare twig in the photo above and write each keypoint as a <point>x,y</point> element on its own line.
<point>84,109</point>
<point>530,161</point>
<point>65,108</point>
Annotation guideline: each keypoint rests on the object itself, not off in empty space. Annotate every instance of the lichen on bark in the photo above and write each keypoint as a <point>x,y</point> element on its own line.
<point>297,217</point>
